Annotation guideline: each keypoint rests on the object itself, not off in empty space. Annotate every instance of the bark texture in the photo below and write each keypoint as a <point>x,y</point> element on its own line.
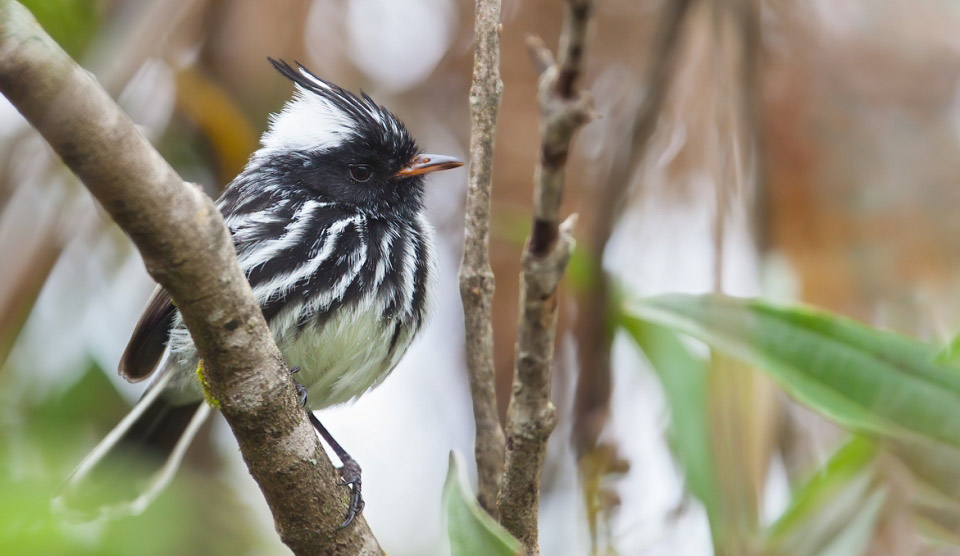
<point>476,276</point>
<point>188,250</point>
<point>531,416</point>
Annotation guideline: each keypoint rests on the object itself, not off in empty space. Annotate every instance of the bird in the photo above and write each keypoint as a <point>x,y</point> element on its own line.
<point>328,222</point>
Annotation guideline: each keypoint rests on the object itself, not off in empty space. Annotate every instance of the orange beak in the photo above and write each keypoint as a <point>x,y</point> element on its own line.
<point>426,163</point>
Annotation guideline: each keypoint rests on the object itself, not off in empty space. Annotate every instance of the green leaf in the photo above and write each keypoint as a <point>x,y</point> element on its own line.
<point>834,511</point>
<point>950,352</point>
<point>865,379</point>
<point>43,438</point>
<point>935,468</point>
<point>72,23</point>
<point>684,380</point>
<point>470,529</point>
<point>855,537</point>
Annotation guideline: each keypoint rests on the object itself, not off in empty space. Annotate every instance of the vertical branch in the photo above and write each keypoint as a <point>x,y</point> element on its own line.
<point>476,276</point>
<point>531,416</point>
<point>747,14</point>
<point>741,403</point>
<point>593,326</point>
<point>724,123</point>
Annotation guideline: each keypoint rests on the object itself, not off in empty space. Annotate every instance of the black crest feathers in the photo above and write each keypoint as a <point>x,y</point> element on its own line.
<point>376,123</point>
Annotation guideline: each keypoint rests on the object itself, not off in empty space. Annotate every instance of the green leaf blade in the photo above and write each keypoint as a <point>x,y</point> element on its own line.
<point>865,379</point>
<point>684,380</point>
<point>471,531</point>
<point>829,506</point>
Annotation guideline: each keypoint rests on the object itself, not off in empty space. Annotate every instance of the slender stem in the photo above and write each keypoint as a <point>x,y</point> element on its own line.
<point>476,276</point>
<point>594,333</point>
<point>531,416</point>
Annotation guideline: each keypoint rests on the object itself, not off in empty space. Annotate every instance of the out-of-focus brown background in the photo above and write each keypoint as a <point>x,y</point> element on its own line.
<point>818,140</point>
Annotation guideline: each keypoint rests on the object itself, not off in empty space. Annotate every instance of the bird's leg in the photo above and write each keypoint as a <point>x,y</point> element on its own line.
<point>349,471</point>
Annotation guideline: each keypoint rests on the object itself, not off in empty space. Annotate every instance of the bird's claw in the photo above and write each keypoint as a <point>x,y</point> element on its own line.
<point>349,472</point>
<point>301,389</point>
<point>350,478</point>
<point>301,394</point>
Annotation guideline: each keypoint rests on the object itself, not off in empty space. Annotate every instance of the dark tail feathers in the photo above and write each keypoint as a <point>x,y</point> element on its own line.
<point>132,464</point>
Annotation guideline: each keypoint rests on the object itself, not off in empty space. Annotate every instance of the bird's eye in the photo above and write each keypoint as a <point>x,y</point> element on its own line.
<point>360,172</point>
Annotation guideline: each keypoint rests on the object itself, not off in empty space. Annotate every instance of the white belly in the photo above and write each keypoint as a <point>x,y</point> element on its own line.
<point>345,356</point>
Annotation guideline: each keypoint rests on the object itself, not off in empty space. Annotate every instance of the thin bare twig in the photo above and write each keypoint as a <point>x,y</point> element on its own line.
<point>476,276</point>
<point>531,416</point>
<point>187,248</point>
<point>594,331</point>
<point>747,14</point>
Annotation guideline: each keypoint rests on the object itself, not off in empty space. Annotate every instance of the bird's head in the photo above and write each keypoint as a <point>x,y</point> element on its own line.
<point>332,144</point>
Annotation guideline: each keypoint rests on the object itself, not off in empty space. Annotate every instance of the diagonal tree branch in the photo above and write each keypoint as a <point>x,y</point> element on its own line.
<point>476,276</point>
<point>531,416</point>
<point>187,249</point>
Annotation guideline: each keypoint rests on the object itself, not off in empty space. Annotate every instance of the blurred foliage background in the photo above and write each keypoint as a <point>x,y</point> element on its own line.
<point>803,151</point>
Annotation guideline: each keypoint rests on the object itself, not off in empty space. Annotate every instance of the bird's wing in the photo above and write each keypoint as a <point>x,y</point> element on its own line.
<point>149,337</point>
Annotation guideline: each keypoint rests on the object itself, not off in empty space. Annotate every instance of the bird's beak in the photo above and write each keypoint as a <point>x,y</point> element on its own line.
<point>426,163</point>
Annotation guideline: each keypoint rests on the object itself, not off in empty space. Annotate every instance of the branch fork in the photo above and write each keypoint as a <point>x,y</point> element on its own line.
<point>531,416</point>
<point>543,273</point>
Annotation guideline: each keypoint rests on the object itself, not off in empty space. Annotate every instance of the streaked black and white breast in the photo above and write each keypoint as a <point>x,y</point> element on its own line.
<point>343,268</point>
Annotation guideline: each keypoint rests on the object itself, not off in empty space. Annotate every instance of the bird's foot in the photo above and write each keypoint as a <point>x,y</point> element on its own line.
<point>301,389</point>
<point>349,471</point>
<point>350,478</point>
